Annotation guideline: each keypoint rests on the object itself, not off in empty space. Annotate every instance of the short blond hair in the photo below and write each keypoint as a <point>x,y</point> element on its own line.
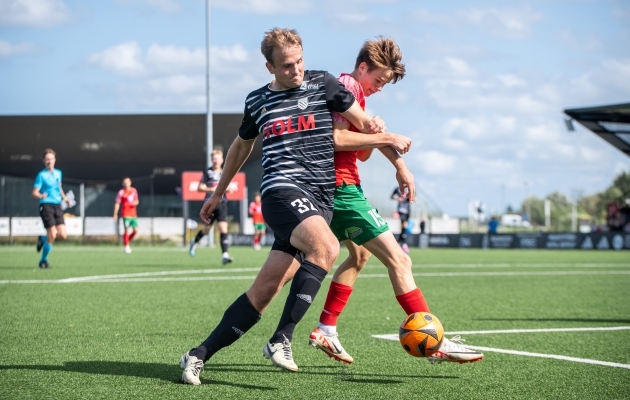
<point>49,151</point>
<point>278,38</point>
<point>382,52</point>
<point>216,152</point>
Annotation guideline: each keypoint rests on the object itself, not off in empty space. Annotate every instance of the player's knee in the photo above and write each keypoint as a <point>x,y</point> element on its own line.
<point>62,235</point>
<point>401,262</point>
<point>361,258</point>
<point>326,252</point>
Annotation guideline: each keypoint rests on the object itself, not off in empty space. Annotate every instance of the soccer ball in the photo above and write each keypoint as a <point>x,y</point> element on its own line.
<point>421,334</point>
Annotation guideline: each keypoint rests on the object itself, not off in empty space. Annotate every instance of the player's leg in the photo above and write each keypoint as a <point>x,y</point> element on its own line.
<point>402,238</point>
<point>410,297</point>
<point>126,234</point>
<point>324,337</point>
<point>223,237</point>
<point>200,234</point>
<point>134,228</point>
<point>243,314</point>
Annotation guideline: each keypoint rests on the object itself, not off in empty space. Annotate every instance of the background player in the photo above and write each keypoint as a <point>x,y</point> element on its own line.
<point>47,189</point>
<point>357,223</point>
<point>255,210</point>
<point>208,184</point>
<point>297,192</point>
<point>128,198</point>
<point>404,208</point>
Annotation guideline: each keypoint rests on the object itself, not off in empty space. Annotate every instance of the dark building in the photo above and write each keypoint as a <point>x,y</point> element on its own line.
<point>99,150</point>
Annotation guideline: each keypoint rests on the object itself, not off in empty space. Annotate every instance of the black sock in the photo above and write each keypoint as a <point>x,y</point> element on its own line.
<point>237,319</point>
<point>199,236</point>
<point>305,285</point>
<point>224,242</point>
<point>403,237</point>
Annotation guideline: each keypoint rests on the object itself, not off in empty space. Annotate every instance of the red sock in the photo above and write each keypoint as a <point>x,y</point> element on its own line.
<point>132,235</point>
<point>336,301</point>
<point>126,239</point>
<point>413,302</point>
<point>256,240</point>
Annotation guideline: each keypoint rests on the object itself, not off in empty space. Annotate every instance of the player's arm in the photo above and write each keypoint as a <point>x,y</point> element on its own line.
<point>236,156</point>
<point>403,175</point>
<point>36,189</point>
<point>203,187</point>
<point>346,140</point>
<point>137,201</point>
<point>116,208</point>
<point>362,121</point>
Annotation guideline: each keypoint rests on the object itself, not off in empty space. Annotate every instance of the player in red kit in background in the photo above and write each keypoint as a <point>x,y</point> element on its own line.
<point>128,198</point>
<point>255,210</point>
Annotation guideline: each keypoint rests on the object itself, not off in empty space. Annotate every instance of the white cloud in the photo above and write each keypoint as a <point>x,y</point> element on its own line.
<point>265,6</point>
<point>434,162</point>
<point>452,67</point>
<point>512,23</point>
<point>10,49</point>
<point>166,76</point>
<point>510,81</point>
<point>33,13</point>
<point>123,59</point>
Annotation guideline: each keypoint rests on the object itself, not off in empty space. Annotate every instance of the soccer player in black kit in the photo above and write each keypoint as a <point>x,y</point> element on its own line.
<point>293,116</point>
<point>208,184</point>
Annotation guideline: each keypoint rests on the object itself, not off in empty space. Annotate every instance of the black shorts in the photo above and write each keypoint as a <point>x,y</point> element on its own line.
<point>220,214</point>
<point>404,217</point>
<point>51,214</point>
<point>283,210</point>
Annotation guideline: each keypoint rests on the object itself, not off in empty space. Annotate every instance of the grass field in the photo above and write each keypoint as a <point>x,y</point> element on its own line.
<point>104,324</point>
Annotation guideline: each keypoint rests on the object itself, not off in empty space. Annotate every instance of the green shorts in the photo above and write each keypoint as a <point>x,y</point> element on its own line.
<point>260,227</point>
<point>130,222</point>
<point>354,218</point>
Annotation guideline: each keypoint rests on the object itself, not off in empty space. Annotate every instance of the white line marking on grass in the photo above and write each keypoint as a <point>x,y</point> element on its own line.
<point>553,356</point>
<point>146,278</point>
<point>517,265</point>
<point>394,336</point>
<point>158,273</point>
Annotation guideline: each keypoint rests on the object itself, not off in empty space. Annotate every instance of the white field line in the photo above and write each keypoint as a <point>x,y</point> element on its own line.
<point>394,336</point>
<point>158,273</point>
<point>525,353</point>
<point>148,278</point>
<point>553,356</point>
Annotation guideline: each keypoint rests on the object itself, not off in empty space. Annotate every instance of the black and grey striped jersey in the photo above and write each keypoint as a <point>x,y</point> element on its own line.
<point>404,205</point>
<point>211,179</point>
<point>296,126</point>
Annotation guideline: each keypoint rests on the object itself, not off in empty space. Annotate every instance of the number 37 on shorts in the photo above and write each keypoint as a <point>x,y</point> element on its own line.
<point>303,205</point>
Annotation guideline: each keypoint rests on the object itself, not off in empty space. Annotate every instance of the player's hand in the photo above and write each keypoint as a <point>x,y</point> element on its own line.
<point>376,125</point>
<point>44,195</point>
<point>401,143</point>
<point>208,208</point>
<point>406,184</point>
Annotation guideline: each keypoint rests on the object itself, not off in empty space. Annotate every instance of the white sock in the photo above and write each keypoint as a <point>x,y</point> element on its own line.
<point>226,255</point>
<point>327,329</point>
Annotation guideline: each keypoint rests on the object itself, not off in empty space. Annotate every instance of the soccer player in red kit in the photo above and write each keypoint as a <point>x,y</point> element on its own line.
<point>127,198</point>
<point>357,223</point>
<point>255,210</point>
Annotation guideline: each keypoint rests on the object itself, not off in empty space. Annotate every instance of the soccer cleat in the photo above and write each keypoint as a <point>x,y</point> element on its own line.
<point>330,345</point>
<point>256,247</point>
<point>44,265</point>
<point>40,243</point>
<point>127,249</point>
<point>453,351</point>
<point>192,368</point>
<point>227,260</point>
<point>280,355</point>
<point>191,249</point>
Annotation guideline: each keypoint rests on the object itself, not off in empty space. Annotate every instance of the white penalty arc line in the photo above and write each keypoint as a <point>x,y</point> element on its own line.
<point>148,278</point>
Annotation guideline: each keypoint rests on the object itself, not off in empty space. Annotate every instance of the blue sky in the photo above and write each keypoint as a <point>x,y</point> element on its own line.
<point>483,97</point>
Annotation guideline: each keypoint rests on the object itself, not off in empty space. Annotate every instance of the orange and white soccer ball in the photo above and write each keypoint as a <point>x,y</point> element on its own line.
<point>421,334</point>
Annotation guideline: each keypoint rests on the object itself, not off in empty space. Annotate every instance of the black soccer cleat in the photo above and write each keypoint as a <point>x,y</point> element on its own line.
<point>40,243</point>
<point>44,265</point>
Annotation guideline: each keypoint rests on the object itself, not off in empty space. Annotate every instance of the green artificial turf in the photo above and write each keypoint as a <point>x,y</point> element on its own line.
<point>122,336</point>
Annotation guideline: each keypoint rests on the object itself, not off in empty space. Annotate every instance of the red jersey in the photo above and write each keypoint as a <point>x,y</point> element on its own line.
<point>346,161</point>
<point>127,198</point>
<point>255,209</point>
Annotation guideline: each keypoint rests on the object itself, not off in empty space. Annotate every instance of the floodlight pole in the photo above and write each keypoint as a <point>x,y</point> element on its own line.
<point>209,138</point>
